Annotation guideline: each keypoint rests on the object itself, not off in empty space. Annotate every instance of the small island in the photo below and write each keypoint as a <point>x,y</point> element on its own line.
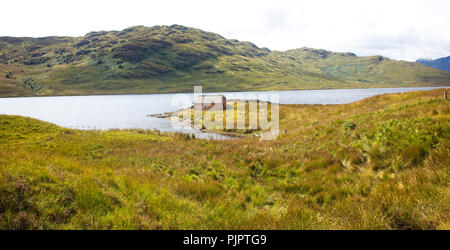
<point>231,117</point>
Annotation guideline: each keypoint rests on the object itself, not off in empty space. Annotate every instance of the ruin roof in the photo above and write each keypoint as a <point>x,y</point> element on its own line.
<point>208,98</point>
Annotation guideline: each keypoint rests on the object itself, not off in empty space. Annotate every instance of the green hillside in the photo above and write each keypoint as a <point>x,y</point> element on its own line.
<point>173,58</point>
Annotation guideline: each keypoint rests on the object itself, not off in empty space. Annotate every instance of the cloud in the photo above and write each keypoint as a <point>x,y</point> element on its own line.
<point>401,29</point>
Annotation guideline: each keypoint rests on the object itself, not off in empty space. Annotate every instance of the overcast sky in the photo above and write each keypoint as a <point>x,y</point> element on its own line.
<point>399,29</point>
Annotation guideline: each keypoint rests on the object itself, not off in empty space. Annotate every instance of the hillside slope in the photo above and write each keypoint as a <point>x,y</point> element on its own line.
<point>173,58</point>
<point>440,63</point>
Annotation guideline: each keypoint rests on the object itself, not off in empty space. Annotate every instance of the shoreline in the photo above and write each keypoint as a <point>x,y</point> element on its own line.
<point>232,91</point>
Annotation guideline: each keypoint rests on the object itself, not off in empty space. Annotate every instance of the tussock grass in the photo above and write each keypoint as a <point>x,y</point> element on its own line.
<point>380,163</point>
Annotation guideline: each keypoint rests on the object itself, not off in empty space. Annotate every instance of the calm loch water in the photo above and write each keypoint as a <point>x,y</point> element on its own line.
<point>131,111</point>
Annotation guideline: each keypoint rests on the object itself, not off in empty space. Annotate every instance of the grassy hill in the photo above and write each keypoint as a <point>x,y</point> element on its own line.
<point>173,58</point>
<point>380,163</point>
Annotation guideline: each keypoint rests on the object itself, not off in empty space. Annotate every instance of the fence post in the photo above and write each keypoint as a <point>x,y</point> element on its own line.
<point>445,94</point>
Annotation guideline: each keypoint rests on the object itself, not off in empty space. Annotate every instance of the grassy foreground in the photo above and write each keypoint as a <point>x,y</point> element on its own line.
<point>380,163</point>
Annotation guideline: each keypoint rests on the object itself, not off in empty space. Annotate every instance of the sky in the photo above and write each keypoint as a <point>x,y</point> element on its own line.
<point>398,29</point>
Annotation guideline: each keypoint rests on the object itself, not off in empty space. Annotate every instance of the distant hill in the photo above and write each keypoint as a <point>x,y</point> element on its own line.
<point>441,63</point>
<point>163,59</point>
